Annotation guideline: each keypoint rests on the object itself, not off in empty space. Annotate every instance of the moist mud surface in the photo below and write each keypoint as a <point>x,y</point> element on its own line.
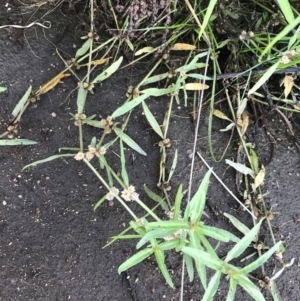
<point>51,239</point>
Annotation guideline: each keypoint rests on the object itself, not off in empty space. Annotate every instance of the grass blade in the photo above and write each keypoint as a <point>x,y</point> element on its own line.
<point>123,165</point>
<point>177,204</point>
<point>156,198</point>
<point>240,226</point>
<point>126,107</point>
<point>81,97</point>
<point>205,258</point>
<point>109,71</point>
<point>157,233</point>
<point>287,11</point>
<point>251,288</point>
<point>189,266</point>
<point>218,234</point>
<point>21,103</point>
<point>244,243</point>
<point>264,78</point>
<point>3,89</point>
<point>152,121</point>
<point>131,143</point>
<point>14,142</point>
<point>51,158</point>
<point>197,203</point>
<point>99,202</point>
<point>135,259</point>
<point>261,260</point>
<point>212,287</point>
<point>232,290</point>
<point>160,258</point>
<point>173,167</point>
<point>84,48</point>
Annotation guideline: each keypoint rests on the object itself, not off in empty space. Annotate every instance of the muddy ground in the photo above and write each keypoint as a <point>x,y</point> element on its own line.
<point>51,239</point>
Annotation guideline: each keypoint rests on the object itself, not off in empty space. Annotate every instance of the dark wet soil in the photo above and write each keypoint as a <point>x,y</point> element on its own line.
<point>51,239</point>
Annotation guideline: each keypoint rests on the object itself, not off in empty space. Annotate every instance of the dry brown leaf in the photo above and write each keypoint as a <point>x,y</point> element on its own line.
<point>144,50</point>
<point>288,83</point>
<point>297,107</point>
<point>183,46</point>
<point>194,86</point>
<point>259,179</point>
<point>245,122</point>
<point>97,62</point>
<point>220,114</point>
<point>51,84</point>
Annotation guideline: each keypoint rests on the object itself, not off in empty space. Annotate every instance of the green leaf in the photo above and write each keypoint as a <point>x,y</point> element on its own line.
<point>137,228</point>
<point>244,243</point>
<point>109,71</point>
<point>135,259</point>
<point>218,234</point>
<point>177,205</point>
<point>155,78</point>
<point>212,287</point>
<point>21,103</point>
<point>157,233</point>
<point>160,258</point>
<point>126,107</point>
<point>193,63</point>
<point>156,198</point>
<point>84,48</point>
<point>241,168</point>
<point>197,203</point>
<point>94,123</point>
<point>198,76</point>
<point>205,258</point>
<point>130,45</point>
<point>286,9</point>
<point>267,74</point>
<point>47,160</point>
<point>123,165</point>
<point>99,202</point>
<point>195,244</point>
<point>173,167</point>
<point>251,288</point>
<point>108,171</point>
<point>261,260</point>
<point>280,36</point>
<point>232,289</point>
<point>170,224</point>
<point>170,244</point>
<point>254,160</point>
<point>152,121</point>
<point>131,143</point>
<point>3,89</point>
<point>189,266</point>
<point>275,292</point>
<point>81,97</point>
<point>14,142</point>
<point>295,37</point>
<point>240,226</point>
<point>207,16</point>
<point>159,92</point>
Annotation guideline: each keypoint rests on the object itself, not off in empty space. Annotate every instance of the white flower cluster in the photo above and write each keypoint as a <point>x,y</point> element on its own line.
<point>89,155</point>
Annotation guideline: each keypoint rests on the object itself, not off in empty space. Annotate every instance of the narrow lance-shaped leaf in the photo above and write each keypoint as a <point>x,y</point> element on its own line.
<point>240,168</point>
<point>126,107</point>
<point>156,198</point>
<point>84,48</point>
<point>109,71</point>
<point>244,243</point>
<point>264,78</point>
<point>261,260</point>
<point>131,143</point>
<point>173,167</point>
<point>21,103</point>
<point>160,258</point>
<point>212,287</point>
<point>286,9</point>
<point>231,290</point>
<point>81,97</point>
<point>189,266</point>
<point>197,203</point>
<point>47,160</point>
<point>2,89</point>
<point>14,142</point>
<point>177,205</point>
<point>152,121</point>
<point>240,226</point>
<point>123,165</point>
<point>98,204</point>
<point>251,288</point>
<point>135,259</point>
